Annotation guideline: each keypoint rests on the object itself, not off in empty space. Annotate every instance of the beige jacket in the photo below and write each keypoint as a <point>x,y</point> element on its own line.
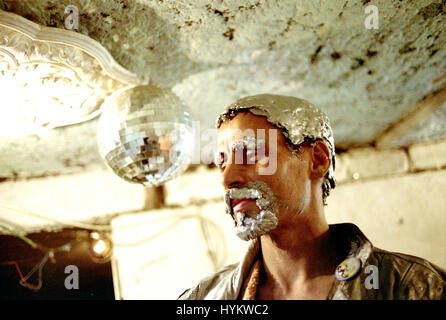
<point>400,276</point>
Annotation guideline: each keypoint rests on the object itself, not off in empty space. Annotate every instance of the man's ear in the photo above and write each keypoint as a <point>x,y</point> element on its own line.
<point>320,160</point>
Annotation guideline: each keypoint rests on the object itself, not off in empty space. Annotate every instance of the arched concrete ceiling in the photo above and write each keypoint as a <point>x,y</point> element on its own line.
<point>212,52</point>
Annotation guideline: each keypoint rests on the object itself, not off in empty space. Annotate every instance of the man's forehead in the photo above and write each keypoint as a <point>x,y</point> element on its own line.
<point>236,133</point>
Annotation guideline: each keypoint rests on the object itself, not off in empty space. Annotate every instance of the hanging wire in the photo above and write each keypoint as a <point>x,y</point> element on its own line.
<point>205,225</point>
<point>63,222</point>
<point>96,227</point>
<point>17,268</point>
<point>212,240</point>
<point>24,238</point>
<point>39,266</point>
<point>23,279</point>
<point>49,254</point>
<point>178,219</point>
<point>151,262</point>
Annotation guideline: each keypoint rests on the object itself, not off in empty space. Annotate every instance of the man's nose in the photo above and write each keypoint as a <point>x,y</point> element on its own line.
<point>234,175</point>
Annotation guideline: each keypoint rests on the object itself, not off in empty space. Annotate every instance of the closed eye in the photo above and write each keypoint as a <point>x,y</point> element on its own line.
<point>251,156</point>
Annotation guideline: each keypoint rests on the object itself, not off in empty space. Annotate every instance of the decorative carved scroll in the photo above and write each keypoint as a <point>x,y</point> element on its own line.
<point>52,77</point>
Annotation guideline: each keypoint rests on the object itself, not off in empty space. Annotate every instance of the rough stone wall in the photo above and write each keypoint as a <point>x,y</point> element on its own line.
<point>91,197</point>
<point>212,52</point>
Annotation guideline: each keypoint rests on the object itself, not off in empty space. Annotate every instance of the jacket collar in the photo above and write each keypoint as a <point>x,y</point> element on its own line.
<point>245,265</point>
<point>350,240</point>
<point>353,243</point>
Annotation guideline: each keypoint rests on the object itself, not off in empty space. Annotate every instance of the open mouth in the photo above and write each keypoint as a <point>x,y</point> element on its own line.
<point>238,199</point>
<point>241,204</point>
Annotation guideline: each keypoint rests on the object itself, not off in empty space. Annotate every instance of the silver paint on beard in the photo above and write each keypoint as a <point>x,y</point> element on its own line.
<point>250,228</point>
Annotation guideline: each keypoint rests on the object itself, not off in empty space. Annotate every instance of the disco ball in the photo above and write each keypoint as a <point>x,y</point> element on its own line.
<point>145,135</point>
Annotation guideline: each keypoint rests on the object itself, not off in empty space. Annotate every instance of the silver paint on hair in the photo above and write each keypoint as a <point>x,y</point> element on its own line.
<point>297,118</point>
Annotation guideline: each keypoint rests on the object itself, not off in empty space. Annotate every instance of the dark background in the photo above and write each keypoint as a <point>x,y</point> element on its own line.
<point>95,279</point>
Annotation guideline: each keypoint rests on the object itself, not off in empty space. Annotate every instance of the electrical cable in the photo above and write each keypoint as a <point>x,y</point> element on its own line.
<point>17,268</point>
<point>97,227</point>
<point>39,266</point>
<point>205,223</point>
<point>24,238</point>
<point>24,279</point>
<point>177,216</point>
<point>49,254</point>
<point>212,249</point>
<point>67,223</point>
<point>178,219</point>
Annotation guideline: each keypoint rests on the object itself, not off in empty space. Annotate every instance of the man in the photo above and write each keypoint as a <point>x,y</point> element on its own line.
<point>277,161</point>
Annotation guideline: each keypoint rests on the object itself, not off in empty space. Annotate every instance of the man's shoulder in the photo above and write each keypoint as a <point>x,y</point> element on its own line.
<point>403,262</point>
<point>201,290</point>
<point>417,277</point>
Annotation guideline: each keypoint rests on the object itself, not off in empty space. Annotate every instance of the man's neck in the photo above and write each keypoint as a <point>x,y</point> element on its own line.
<point>297,261</point>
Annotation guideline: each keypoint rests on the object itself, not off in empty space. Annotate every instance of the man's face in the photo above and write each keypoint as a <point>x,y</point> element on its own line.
<point>254,155</point>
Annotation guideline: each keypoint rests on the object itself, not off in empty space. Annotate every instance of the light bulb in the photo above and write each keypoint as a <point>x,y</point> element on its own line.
<point>100,247</point>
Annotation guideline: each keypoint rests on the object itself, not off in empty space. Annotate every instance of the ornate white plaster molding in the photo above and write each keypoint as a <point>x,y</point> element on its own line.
<point>51,77</point>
